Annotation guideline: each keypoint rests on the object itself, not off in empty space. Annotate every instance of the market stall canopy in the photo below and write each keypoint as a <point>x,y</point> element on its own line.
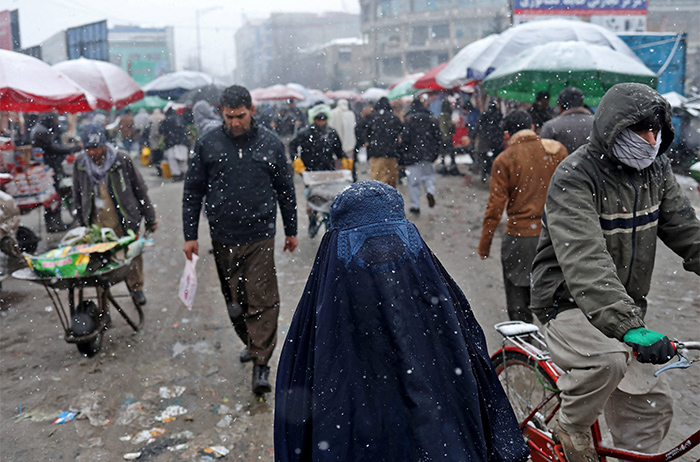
<point>411,77</point>
<point>374,93</point>
<point>108,83</point>
<point>455,73</point>
<point>311,95</point>
<point>149,103</point>
<point>209,93</point>
<point>30,85</point>
<point>349,95</point>
<point>517,39</point>
<point>554,66</point>
<point>276,93</point>
<point>427,81</point>
<point>176,84</point>
<point>405,88</point>
<point>678,101</point>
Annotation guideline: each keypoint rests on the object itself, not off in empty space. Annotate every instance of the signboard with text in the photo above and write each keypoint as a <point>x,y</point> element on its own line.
<point>580,7</point>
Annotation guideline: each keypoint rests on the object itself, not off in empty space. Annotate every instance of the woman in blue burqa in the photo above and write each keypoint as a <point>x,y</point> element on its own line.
<point>384,360</point>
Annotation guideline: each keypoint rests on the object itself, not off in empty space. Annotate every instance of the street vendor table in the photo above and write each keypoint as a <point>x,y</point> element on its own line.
<point>84,322</point>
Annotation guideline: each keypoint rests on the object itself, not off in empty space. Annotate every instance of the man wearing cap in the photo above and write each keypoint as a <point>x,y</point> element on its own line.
<point>573,125</point>
<point>109,192</point>
<point>318,143</point>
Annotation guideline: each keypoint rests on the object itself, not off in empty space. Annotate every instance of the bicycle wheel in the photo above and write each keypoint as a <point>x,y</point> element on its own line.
<point>526,384</point>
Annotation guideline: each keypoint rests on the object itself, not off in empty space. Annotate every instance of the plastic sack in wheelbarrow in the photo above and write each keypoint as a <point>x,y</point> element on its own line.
<point>85,259</point>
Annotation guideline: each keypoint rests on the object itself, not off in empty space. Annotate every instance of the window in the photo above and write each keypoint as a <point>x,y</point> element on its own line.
<point>392,66</point>
<point>417,6</point>
<point>418,61</point>
<point>388,8</point>
<point>440,31</point>
<point>419,35</point>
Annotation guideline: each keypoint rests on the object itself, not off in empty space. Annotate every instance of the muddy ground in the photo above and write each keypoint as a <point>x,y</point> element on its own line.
<point>188,360</point>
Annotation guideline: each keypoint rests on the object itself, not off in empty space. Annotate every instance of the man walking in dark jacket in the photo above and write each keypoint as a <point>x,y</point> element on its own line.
<point>45,135</point>
<point>573,126</point>
<point>421,140</point>
<point>175,143</point>
<point>243,171</point>
<point>319,143</point>
<point>379,131</point>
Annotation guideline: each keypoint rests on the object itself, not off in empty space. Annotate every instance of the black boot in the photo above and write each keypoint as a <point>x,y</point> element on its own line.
<point>54,222</point>
<point>261,374</point>
<point>245,356</point>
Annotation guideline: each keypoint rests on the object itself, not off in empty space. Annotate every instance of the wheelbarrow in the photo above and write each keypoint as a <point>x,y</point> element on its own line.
<point>84,320</point>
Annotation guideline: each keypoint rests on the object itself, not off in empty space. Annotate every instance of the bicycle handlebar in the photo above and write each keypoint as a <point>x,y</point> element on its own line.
<point>682,350</point>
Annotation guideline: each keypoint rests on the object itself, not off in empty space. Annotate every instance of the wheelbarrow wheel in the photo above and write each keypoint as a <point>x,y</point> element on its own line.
<point>85,320</point>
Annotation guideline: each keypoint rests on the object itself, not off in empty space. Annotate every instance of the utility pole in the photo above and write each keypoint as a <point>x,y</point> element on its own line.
<point>198,13</point>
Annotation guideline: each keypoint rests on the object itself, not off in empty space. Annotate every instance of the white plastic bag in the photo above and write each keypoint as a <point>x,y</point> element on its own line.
<point>188,282</point>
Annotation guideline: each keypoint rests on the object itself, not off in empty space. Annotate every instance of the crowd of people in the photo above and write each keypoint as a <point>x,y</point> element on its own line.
<point>586,197</point>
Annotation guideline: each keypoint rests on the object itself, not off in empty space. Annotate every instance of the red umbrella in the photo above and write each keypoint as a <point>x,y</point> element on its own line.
<point>275,92</point>
<point>427,81</point>
<point>106,81</point>
<point>30,85</point>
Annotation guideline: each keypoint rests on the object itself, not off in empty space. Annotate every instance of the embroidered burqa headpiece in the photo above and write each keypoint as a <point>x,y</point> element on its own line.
<point>384,360</point>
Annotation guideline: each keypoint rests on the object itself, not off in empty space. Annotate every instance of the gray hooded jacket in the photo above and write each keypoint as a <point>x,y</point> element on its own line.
<point>602,219</point>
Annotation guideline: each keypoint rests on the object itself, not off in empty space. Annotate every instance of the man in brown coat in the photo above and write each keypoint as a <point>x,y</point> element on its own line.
<point>519,179</point>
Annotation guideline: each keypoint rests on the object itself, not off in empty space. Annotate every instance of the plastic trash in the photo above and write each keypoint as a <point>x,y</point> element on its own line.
<point>216,451</point>
<point>64,417</point>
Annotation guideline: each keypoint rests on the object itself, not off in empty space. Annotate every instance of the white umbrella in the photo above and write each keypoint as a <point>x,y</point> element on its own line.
<point>519,38</point>
<point>106,81</point>
<point>176,84</point>
<point>311,96</point>
<point>455,73</point>
<point>374,93</point>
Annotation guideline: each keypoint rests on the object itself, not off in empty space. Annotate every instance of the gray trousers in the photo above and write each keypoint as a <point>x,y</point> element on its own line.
<point>420,174</point>
<point>603,376</point>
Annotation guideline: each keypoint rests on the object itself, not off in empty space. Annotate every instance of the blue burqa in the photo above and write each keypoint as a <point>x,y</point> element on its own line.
<point>384,360</point>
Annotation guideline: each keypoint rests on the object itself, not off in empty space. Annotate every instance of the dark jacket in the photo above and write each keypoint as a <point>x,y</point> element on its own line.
<point>243,179</point>
<point>381,129</point>
<point>45,135</point>
<point>173,130</point>
<point>318,147</point>
<point>126,188</point>
<point>421,138</point>
<point>602,221</point>
<point>571,128</point>
<point>488,133</point>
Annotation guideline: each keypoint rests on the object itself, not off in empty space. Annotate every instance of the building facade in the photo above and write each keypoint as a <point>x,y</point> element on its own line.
<point>144,53</point>
<point>409,36</point>
<point>269,51</point>
<point>334,65</point>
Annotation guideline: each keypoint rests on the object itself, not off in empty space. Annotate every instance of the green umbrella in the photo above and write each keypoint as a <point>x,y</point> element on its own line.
<point>556,65</point>
<point>149,103</point>
<point>404,88</point>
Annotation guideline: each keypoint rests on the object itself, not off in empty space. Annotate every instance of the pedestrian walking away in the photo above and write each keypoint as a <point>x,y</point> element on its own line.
<point>343,121</point>
<point>540,110</point>
<point>573,125</point>
<point>608,205</point>
<point>421,141</point>
<point>384,359</point>
<point>488,140</point>
<point>519,181</point>
<point>447,130</point>
<point>175,143</point>
<point>244,173</point>
<point>45,134</point>
<point>108,191</point>
<point>379,131</point>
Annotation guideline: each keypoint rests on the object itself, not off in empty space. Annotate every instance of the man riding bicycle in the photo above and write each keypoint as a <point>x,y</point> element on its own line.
<point>607,204</point>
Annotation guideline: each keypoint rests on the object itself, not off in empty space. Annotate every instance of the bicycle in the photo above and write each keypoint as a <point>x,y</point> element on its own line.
<point>529,376</point>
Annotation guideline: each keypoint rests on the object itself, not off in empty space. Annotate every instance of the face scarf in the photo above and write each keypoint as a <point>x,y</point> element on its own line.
<point>98,173</point>
<point>634,151</point>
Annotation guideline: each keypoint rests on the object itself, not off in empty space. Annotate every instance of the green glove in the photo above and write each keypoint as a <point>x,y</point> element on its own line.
<point>649,346</point>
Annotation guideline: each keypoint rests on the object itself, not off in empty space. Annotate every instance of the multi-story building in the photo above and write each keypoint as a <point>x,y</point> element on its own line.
<point>144,53</point>
<point>268,51</point>
<point>408,36</point>
<point>334,65</point>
